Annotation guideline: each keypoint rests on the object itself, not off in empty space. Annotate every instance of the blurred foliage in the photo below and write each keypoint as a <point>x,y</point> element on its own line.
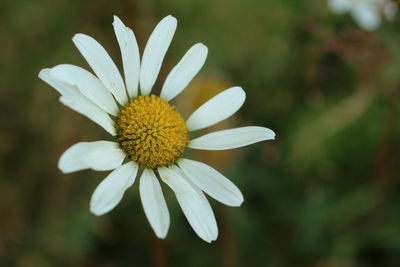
<point>325,193</point>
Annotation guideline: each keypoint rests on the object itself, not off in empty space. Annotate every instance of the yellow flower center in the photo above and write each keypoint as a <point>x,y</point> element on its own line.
<point>151,132</point>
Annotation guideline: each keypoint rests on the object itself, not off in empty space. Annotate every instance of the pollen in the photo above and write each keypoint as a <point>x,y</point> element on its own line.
<point>151,132</point>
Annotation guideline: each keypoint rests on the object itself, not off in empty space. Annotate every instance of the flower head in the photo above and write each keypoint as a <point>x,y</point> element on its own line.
<point>149,132</point>
<point>367,13</point>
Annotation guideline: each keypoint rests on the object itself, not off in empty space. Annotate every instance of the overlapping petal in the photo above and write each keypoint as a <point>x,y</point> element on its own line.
<point>211,182</point>
<point>102,64</point>
<point>74,99</point>
<point>45,76</point>
<point>130,56</point>
<point>193,203</point>
<point>88,84</point>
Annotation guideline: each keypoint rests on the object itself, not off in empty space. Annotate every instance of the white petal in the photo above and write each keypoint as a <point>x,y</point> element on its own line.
<point>216,109</point>
<point>209,217</point>
<point>88,84</point>
<point>72,159</point>
<point>99,156</point>
<point>45,76</point>
<point>367,16</point>
<point>111,190</point>
<point>73,98</point>
<point>154,204</point>
<point>154,53</point>
<point>193,203</point>
<point>130,56</point>
<point>232,138</point>
<point>184,71</point>
<point>82,105</point>
<point>211,182</point>
<point>101,63</point>
<point>105,155</point>
<point>208,214</point>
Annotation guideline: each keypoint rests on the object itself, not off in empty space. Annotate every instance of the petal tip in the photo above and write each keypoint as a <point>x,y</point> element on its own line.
<point>76,35</point>
<point>64,171</point>
<point>96,208</point>
<point>239,203</point>
<point>96,212</point>
<point>64,168</point>
<point>200,48</point>
<point>43,72</point>
<point>79,36</point>
<point>241,91</point>
<point>170,17</point>
<point>204,48</point>
<point>161,235</point>
<point>61,166</point>
<point>171,20</point>
<point>113,132</point>
<point>268,133</point>
<point>200,44</point>
<point>273,135</point>
<point>117,21</point>
<point>212,239</point>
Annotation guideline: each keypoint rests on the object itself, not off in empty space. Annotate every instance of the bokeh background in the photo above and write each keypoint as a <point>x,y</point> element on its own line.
<point>325,193</point>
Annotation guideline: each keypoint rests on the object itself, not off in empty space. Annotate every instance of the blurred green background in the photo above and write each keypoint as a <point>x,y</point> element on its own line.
<point>326,193</point>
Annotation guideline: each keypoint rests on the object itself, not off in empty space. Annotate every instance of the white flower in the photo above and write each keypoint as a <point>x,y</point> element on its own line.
<point>149,131</point>
<point>367,13</point>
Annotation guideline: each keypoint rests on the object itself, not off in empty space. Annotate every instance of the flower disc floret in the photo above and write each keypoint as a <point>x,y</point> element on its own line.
<point>151,132</point>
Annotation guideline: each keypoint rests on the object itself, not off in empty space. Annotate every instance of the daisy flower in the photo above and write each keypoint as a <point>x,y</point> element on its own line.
<point>367,13</point>
<point>149,134</point>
